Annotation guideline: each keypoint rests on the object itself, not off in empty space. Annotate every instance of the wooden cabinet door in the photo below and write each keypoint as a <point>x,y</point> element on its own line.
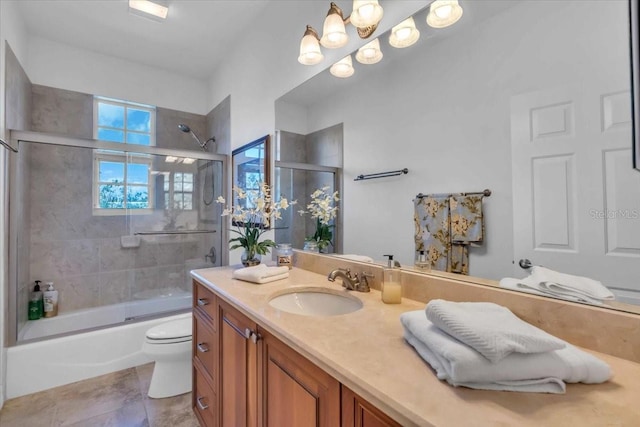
<point>295,392</point>
<point>357,412</point>
<point>238,369</point>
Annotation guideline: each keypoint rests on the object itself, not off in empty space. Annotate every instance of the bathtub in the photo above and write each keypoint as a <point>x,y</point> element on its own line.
<point>161,301</point>
<point>48,363</point>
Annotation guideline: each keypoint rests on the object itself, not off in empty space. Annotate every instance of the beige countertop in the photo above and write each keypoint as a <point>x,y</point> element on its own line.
<point>365,351</point>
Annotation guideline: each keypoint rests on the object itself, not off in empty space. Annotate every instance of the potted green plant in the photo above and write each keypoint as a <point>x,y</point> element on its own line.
<point>323,208</point>
<point>252,216</point>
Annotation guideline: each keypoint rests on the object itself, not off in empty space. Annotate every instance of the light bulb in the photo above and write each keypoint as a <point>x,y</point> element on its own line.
<point>443,13</point>
<point>404,34</point>
<point>369,53</point>
<point>366,13</point>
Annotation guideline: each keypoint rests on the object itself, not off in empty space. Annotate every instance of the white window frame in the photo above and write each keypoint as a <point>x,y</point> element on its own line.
<point>171,193</point>
<point>152,122</point>
<point>125,159</point>
<point>122,157</point>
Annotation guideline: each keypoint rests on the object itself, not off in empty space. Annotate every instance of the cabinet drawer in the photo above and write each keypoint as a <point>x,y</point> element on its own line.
<point>205,345</point>
<point>205,402</point>
<point>206,302</point>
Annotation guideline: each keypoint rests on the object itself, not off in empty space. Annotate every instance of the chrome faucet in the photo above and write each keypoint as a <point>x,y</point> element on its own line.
<point>352,283</point>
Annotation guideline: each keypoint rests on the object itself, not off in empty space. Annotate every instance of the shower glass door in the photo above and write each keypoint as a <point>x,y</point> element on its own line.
<point>116,232</point>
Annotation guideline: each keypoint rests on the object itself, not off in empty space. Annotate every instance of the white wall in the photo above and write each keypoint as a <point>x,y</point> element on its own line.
<point>444,113</point>
<point>62,66</point>
<point>12,30</point>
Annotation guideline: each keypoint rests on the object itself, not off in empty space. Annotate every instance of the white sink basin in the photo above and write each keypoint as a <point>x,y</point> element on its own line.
<point>315,301</point>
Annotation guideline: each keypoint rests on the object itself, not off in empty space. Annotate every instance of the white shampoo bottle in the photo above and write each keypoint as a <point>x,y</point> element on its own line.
<point>50,301</point>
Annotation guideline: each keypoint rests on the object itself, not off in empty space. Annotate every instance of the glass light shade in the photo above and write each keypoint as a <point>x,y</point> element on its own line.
<point>310,53</point>
<point>404,34</point>
<point>443,13</point>
<point>334,35</point>
<point>343,68</point>
<point>370,53</point>
<point>149,7</point>
<point>366,13</point>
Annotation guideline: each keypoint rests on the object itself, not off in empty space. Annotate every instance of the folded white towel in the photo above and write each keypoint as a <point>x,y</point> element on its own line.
<point>354,257</point>
<point>492,330</point>
<point>567,284</point>
<point>460,365</point>
<point>528,285</point>
<point>261,273</point>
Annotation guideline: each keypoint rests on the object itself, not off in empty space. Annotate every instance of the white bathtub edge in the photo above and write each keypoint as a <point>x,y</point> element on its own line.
<point>46,364</point>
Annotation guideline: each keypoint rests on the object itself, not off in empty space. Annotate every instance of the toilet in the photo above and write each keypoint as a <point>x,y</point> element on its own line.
<point>169,344</point>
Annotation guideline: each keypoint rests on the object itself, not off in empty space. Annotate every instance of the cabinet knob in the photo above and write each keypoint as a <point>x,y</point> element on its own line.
<point>247,333</point>
<point>203,302</point>
<point>201,405</point>
<point>202,347</point>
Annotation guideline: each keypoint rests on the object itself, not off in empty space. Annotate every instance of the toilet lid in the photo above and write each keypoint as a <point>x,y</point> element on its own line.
<point>181,328</point>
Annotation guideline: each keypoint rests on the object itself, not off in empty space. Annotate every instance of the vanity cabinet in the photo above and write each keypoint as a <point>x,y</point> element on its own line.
<point>357,412</point>
<point>245,376</point>
<point>295,391</point>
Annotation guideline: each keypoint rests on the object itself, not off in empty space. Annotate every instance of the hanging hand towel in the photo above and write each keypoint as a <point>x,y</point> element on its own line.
<point>431,219</point>
<point>467,226</point>
<point>261,274</point>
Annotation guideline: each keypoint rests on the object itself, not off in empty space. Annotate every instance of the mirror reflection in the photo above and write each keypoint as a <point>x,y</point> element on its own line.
<point>250,171</point>
<point>528,99</point>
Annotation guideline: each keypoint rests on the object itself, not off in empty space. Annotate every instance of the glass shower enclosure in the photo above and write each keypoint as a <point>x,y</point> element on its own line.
<point>115,228</point>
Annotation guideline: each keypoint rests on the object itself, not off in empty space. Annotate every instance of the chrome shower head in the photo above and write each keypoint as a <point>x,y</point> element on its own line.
<point>186,129</point>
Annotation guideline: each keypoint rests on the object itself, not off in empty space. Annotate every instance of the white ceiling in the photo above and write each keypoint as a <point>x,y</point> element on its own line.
<point>191,41</point>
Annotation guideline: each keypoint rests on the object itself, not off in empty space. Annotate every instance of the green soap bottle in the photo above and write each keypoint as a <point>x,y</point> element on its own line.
<point>36,303</point>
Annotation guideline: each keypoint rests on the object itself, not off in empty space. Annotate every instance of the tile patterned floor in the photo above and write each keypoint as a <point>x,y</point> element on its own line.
<point>113,400</point>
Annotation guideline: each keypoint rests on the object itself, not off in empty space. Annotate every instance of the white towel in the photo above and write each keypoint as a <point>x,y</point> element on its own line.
<point>567,284</point>
<point>261,273</point>
<point>528,285</point>
<point>460,365</point>
<point>354,257</point>
<point>492,330</point>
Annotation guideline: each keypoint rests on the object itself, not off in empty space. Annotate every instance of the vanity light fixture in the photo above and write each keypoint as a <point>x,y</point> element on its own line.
<point>404,34</point>
<point>370,53</point>
<point>343,68</point>
<point>443,13</point>
<point>334,34</point>
<point>149,7</point>
<point>310,53</point>
<point>365,17</point>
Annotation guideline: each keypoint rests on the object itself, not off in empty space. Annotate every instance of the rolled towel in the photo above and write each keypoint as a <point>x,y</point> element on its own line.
<point>461,365</point>
<point>261,273</point>
<point>530,286</point>
<point>492,330</point>
<point>567,284</point>
<point>354,257</point>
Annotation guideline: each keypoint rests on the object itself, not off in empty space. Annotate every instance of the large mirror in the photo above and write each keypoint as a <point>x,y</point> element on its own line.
<point>250,170</point>
<point>528,99</point>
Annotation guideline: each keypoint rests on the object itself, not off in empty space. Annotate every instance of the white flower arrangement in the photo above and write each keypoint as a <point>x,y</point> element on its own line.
<point>323,208</point>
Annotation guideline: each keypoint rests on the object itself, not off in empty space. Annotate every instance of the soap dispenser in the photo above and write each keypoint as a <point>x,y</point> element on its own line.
<point>36,304</point>
<point>391,287</point>
<point>421,261</point>
<point>50,301</point>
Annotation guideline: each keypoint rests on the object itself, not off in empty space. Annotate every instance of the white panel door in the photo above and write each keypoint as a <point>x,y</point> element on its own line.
<point>576,197</point>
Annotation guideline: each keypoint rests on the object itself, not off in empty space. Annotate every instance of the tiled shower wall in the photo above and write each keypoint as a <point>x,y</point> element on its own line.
<point>81,253</point>
<point>323,147</point>
<point>18,116</point>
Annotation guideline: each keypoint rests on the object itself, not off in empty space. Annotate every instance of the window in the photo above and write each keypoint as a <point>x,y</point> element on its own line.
<point>178,191</point>
<point>121,121</point>
<point>122,181</point>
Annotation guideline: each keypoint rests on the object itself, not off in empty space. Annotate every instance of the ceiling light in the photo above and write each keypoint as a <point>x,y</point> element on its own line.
<point>188,160</point>
<point>404,34</point>
<point>343,68</point>
<point>365,17</point>
<point>443,13</point>
<point>370,53</point>
<point>334,34</point>
<point>170,159</point>
<point>310,53</point>
<point>366,13</point>
<point>150,8</point>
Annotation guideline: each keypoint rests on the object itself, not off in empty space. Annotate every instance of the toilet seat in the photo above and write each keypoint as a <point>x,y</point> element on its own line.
<point>173,332</point>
